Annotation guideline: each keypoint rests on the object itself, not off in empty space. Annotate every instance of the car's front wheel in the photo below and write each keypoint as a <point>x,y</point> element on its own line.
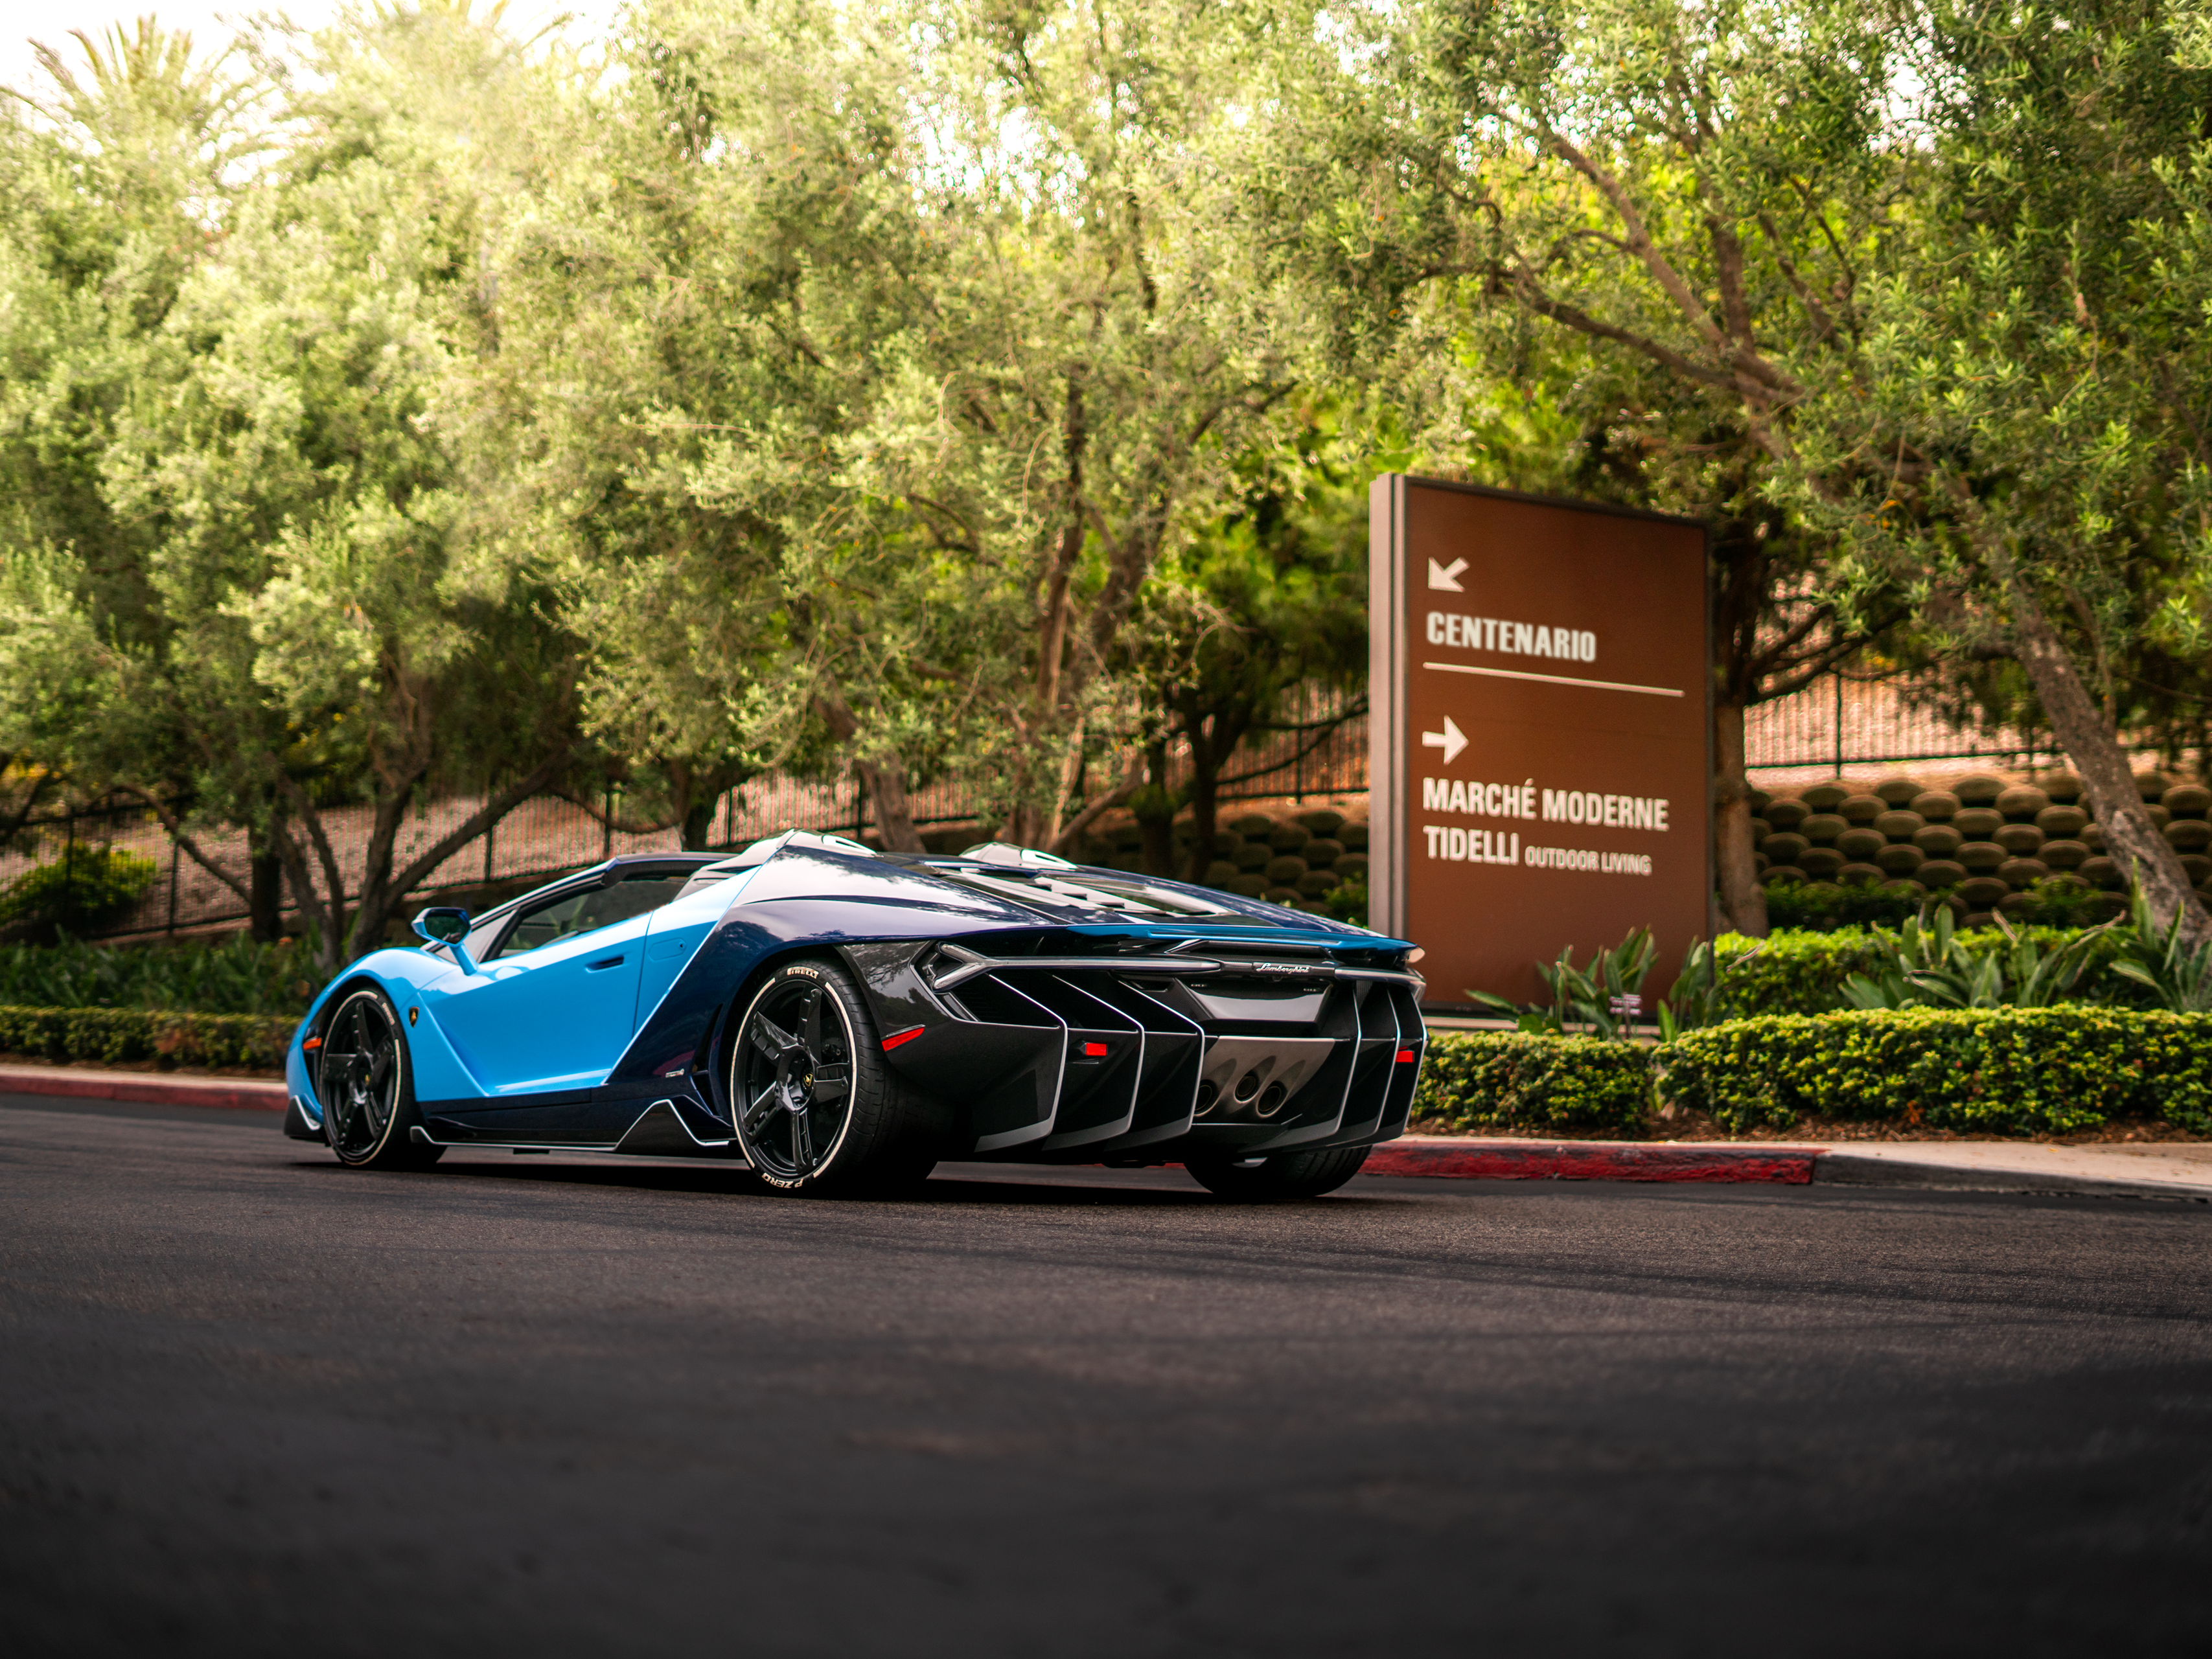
<point>817,1109</point>
<point>1285,1175</point>
<point>366,1079</point>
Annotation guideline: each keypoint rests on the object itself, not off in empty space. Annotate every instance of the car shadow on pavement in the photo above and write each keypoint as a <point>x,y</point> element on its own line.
<point>1021,1184</point>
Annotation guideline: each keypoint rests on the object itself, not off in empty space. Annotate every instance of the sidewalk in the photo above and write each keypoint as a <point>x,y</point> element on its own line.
<point>2168,1170</point>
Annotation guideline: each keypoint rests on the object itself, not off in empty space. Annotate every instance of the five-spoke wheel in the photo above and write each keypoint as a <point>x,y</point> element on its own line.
<point>366,1083</point>
<point>816,1108</point>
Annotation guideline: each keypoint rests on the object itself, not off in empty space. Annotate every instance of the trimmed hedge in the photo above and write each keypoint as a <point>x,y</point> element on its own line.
<point>1803,973</point>
<point>111,1036</point>
<point>1516,1080</point>
<point>1992,1071</point>
<point>2006,1071</point>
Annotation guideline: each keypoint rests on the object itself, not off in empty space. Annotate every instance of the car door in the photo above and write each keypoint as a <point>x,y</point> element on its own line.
<point>551,1008</point>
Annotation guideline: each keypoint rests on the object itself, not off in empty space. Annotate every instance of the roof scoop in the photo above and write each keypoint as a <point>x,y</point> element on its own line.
<point>1018,858</point>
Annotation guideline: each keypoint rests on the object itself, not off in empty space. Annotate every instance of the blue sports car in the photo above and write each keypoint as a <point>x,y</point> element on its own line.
<point>839,1019</point>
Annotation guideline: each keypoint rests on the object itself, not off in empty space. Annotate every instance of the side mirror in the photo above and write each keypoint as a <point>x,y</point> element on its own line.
<point>446,925</point>
<point>442,925</point>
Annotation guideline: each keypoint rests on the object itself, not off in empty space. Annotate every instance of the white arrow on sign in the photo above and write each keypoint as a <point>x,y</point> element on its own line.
<point>1452,741</point>
<point>1445,577</point>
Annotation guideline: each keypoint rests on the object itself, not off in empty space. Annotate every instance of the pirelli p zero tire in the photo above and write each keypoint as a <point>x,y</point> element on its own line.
<point>365,1079</point>
<point>1286,1175</point>
<point>818,1110</point>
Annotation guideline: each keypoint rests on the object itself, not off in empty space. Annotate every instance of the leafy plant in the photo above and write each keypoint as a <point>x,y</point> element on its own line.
<point>1926,964</point>
<point>1695,999</point>
<point>2178,975</point>
<point>1603,999</point>
<point>237,976</point>
<point>1823,906</point>
<point>85,886</point>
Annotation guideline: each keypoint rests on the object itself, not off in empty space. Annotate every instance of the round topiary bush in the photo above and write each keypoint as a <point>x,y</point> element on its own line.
<point>1983,892</point>
<point>1981,856</point>
<point>1825,796</point>
<point>1978,790</point>
<point>1936,805</point>
<point>1939,873</point>
<point>2064,854</point>
<point>2021,803</point>
<point>1786,814</point>
<point>1938,841</point>
<point>1821,828</point>
<point>1859,843</point>
<point>1784,847</point>
<point>1861,809</point>
<point>1896,792</point>
<point>2020,839</point>
<point>2062,786</point>
<point>2187,800</point>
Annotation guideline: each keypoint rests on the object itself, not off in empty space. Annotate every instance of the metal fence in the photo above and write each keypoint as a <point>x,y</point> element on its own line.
<point>1324,755</point>
<point>1837,724</point>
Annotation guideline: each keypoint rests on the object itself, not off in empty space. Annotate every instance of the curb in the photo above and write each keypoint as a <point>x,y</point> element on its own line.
<point>1856,1170</point>
<point>1587,1160</point>
<point>145,1087</point>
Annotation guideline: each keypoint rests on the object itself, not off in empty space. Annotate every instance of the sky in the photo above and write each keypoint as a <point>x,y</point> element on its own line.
<point>51,21</point>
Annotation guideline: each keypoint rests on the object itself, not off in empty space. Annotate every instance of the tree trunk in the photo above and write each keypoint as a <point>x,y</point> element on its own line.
<point>885,782</point>
<point>264,902</point>
<point>2093,746</point>
<point>1153,807</point>
<point>1743,900</point>
<point>698,819</point>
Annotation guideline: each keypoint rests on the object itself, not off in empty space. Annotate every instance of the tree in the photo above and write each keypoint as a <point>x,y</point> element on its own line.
<point>1265,601</point>
<point>976,331</point>
<point>1887,307</point>
<point>295,615</point>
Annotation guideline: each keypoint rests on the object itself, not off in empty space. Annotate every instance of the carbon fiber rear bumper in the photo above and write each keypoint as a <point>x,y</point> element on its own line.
<point>1099,1059</point>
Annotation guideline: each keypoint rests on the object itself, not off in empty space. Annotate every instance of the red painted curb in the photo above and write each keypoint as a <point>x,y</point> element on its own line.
<point>238,1094</point>
<point>1568,1160</point>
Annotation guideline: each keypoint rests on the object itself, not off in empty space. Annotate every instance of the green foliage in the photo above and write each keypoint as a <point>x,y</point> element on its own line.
<point>86,886</point>
<point>2005,1070</point>
<point>2059,902</point>
<point>1700,989</point>
<point>111,1036</point>
<point>237,976</point>
<point>1824,906</point>
<point>1517,1080</point>
<point>2174,974</point>
<point>1807,973</point>
<point>1927,964</point>
<point>1602,998</point>
<point>1347,902</point>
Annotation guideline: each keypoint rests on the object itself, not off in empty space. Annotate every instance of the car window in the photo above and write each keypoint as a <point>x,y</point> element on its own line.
<point>566,914</point>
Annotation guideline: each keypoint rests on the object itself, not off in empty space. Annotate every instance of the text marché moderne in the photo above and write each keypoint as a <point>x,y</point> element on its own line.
<point>1594,808</point>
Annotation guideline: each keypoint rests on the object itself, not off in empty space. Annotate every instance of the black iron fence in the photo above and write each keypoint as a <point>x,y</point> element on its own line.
<point>1321,751</point>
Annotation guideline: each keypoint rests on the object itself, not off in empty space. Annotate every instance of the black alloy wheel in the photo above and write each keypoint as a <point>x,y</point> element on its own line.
<point>817,1109</point>
<point>367,1084</point>
<point>1285,1175</point>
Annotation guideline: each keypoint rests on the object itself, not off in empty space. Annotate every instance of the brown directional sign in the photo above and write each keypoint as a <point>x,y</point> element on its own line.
<point>1541,764</point>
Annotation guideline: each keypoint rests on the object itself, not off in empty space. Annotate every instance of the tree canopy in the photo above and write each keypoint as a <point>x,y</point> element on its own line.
<point>951,387</point>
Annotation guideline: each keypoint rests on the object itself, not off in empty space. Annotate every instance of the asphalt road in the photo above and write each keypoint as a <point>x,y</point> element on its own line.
<point>251,1403</point>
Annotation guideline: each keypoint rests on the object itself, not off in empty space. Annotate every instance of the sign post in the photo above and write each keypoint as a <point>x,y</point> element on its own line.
<point>1542,730</point>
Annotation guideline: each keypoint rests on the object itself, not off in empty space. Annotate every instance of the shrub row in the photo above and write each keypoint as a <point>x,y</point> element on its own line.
<point>114,1035</point>
<point>1993,1071</point>
<point>1515,1080</point>
<point>1803,973</point>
